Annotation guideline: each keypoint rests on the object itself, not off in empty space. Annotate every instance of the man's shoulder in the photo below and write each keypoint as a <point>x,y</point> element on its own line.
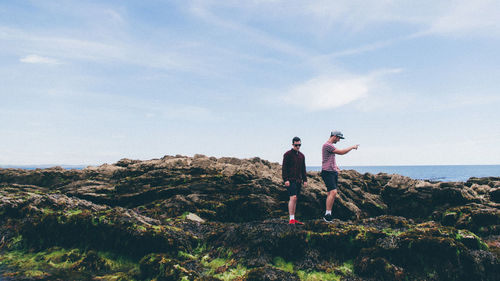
<point>287,152</point>
<point>328,147</point>
<point>327,144</point>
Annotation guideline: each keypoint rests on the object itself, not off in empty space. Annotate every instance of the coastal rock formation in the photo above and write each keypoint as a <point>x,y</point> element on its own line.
<point>206,218</point>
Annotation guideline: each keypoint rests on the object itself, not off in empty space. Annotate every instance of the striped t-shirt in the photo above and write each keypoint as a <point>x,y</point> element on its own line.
<point>328,162</point>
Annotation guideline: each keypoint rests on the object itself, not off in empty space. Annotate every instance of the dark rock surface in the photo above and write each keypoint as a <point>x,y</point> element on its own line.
<point>128,221</point>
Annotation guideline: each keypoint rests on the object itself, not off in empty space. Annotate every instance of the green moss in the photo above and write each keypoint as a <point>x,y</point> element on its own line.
<point>232,270</point>
<point>103,219</point>
<point>35,274</point>
<point>184,215</point>
<point>216,263</point>
<point>35,265</point>
<point>347,268</point>
<point>140,228</point>
<point>60,260</point>
<point>463,234</point>
<point>185,255</point>
<point>308,236</point>
<point>233,273</point>
<point>15,242</point>
<point>200,249</point>
<point>70,213</point>
<point>47,211</point>
<point>157,228</point>
<point>317,276</point>
<point>118,276</point>
<point>283,265</point>
<point>118,262</point>
<point>392,232</point>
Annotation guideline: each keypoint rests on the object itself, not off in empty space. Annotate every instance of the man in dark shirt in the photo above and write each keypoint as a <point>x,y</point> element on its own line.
<point>294,175</point>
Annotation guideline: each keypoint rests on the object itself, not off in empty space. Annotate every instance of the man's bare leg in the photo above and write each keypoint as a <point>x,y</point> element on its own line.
<point>292,204</point>
<point>330,199</point>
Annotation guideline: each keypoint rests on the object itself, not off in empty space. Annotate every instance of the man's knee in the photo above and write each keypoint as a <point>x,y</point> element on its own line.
<point>332,192</point>
<point>293,198</point>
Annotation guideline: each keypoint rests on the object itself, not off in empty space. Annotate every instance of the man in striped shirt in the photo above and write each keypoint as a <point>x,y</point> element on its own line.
<point>330,170</point>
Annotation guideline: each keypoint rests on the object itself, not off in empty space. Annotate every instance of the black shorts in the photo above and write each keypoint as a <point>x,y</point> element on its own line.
<point>294,188</point>
<point>330,178</point>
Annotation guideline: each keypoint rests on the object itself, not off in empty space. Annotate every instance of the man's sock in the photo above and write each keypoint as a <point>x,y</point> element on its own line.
<point>328,212</point>
<point>292,217</point>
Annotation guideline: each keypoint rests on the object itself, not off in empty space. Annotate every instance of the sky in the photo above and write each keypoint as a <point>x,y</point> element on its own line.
<point>92,82</point>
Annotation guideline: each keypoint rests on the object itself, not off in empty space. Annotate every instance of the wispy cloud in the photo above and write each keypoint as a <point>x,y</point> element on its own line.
<point>39,59</point>
<point>479,17</point>
<point>202,10</point>
<point>443,17</point>
<point>450,17</point>
<point>114,50</point>
<point>327,92</point>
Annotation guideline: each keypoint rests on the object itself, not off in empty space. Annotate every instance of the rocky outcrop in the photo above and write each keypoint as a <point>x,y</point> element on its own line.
<point>206,218</point>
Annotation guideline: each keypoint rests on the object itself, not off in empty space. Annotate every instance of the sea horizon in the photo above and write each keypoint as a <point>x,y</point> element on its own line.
<point>447,173</point>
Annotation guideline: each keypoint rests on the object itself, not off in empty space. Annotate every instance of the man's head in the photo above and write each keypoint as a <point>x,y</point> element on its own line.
<point>335,136</point>
<point>296,143</point>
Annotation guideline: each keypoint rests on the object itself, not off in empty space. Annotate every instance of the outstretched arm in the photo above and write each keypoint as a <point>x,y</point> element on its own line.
<point>345,150</point>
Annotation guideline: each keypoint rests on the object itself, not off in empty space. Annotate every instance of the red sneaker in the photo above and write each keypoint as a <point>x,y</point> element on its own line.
<point>292,222</point>
<point>298,222</point>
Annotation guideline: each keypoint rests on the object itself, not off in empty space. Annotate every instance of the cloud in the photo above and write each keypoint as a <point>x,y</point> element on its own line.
<point>479,17</point>
<point>326,92</point>
<point>204,11</point>
<point>39,59</point>
<point>449,17</point>
<point>113,50</point>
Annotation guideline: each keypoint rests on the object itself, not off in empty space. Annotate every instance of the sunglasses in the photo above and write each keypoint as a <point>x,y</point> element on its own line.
<point>298,144</point>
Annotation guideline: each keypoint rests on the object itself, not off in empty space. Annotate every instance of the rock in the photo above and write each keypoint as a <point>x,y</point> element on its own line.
<point>195,218</point>
<point>494,194</point>
<point>386,227</point>
<point>379,268</point>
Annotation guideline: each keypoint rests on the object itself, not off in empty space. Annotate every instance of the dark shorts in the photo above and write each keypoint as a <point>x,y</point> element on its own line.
<point>294,188</point>
<point>330,178</point>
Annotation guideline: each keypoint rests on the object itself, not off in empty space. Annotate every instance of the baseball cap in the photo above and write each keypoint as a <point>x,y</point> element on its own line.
<point>337,133</point>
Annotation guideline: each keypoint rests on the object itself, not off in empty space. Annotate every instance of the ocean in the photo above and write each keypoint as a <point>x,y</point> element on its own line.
<point>432,173</point>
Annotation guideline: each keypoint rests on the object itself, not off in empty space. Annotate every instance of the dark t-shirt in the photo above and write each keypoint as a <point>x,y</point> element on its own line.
<point>294,166</point>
